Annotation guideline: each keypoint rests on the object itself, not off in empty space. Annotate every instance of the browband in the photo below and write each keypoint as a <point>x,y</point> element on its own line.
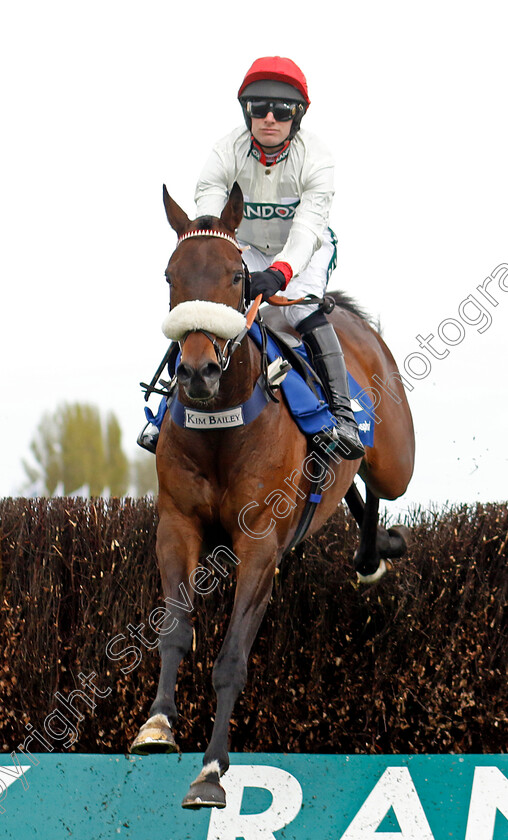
<point>217,233</point>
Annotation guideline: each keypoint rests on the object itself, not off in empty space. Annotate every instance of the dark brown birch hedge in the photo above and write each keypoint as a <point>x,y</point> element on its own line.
<point>414,663</point>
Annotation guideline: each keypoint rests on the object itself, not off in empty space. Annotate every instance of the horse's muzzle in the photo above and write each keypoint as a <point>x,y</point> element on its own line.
<point>201,384</point>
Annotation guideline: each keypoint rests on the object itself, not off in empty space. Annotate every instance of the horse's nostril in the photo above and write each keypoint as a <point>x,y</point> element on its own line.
<point>184,373</point>
<point>210,372</point>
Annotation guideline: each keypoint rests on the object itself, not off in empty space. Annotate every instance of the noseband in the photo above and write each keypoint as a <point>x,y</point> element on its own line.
<point>223,356</point>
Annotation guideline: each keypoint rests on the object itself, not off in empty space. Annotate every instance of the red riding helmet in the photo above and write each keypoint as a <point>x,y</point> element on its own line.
<point>275,77</point>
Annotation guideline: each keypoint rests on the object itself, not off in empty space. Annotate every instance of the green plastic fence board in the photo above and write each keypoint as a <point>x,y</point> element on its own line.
<point>270,797</point>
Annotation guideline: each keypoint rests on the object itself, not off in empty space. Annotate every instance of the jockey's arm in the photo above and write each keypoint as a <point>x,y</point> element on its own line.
<point>310,220</point>
<point>212,190</point>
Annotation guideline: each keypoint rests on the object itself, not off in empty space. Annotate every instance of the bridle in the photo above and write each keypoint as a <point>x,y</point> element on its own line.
<point>224,354</point>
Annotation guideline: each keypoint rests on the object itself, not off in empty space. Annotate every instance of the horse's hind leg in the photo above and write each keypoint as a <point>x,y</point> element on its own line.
<point>355,503</point>
<point>376,543</point>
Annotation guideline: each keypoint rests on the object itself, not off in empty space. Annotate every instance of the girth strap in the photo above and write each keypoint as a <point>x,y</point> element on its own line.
<point>312,501</point>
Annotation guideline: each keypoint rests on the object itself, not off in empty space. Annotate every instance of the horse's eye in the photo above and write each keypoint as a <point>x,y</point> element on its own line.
<point>238,277</point>
<point>167,275</point>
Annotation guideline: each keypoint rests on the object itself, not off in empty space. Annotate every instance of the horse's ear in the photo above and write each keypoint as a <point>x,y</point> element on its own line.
<point>232,214</point>
<point>176,216</point>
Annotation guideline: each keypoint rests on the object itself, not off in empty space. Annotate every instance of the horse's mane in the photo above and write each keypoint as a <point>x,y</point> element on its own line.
<point>346,302</point>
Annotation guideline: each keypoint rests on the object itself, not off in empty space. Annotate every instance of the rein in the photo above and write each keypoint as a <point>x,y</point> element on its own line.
<point>274,300</point>
<point>224,355</point>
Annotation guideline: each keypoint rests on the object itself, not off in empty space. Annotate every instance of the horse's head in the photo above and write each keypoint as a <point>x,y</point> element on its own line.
<point>207,278</point>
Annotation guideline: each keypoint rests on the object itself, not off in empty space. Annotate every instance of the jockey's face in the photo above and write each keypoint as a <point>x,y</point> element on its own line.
<point>269,133</point>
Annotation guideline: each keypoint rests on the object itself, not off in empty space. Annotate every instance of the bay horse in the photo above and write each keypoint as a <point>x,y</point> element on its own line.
<point>208,479</point>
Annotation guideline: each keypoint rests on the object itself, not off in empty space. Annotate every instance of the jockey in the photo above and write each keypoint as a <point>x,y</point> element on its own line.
<point>286,176</point>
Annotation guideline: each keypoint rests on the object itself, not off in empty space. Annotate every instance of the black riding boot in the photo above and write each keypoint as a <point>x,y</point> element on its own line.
<point>323,343</point>
<point>148,437</point>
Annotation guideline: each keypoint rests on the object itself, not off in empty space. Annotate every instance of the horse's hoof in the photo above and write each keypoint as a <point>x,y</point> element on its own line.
<point>155,736</point>
<point>384,566</point>
<point>205,795</point>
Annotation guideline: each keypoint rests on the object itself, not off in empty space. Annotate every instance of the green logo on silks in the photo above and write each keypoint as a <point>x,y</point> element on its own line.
<point>270,797</point>
<point>284,211</point>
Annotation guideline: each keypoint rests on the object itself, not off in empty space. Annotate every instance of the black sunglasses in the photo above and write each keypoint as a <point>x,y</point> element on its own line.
<point>282,111</point>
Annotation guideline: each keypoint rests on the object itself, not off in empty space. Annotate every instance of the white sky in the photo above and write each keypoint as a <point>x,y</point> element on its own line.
<point>103,102</point>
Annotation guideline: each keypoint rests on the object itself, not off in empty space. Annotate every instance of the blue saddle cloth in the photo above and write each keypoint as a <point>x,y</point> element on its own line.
<point>310,412</point>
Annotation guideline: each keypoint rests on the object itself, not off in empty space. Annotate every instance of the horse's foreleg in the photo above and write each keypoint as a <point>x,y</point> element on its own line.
<point>253,590</point>
<point>177,556</point>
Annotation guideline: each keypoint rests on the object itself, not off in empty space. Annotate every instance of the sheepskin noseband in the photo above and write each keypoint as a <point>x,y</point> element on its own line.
<point>217,318</point>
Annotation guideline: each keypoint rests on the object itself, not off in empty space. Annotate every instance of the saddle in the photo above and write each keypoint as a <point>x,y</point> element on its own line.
<point>303,389</point>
